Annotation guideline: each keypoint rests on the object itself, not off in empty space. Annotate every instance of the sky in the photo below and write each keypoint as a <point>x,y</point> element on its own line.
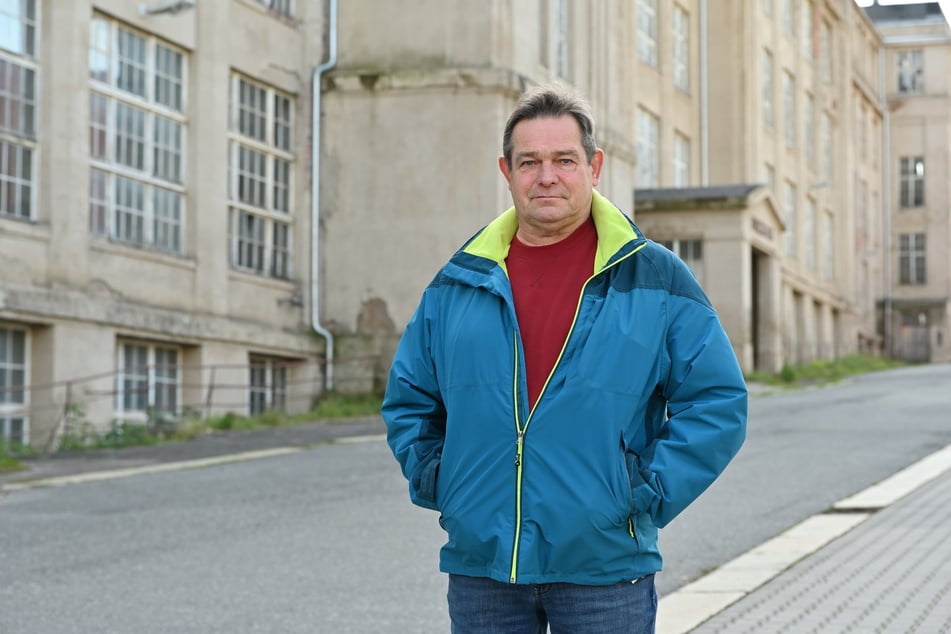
<point>945,4</point>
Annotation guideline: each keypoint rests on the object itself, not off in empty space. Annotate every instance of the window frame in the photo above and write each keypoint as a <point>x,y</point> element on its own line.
<point>911,182</point>
<point>272,393</point>
<point>647,32</point>
<point>648,149</point>
<point>15,411</point>
<point>275,257</point>
<point>284,8</point>
<point>791,219</point>
<point>769,72</point>
<point>789,108</point>
<point>19,148</point>
<point>680,48</point>
<point>910,78</point>
<point>149,375</point>
<point>681,160</point>
<point>809,232</point>
<point>137,143</point>
<point>912,259</point>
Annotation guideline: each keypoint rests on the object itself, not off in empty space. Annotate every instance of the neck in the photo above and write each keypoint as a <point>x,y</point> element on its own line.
<point>535,236</point>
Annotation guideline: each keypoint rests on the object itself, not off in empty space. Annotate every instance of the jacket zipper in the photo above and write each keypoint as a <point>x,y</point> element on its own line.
<point>519,444</point>
<point>522,430</point>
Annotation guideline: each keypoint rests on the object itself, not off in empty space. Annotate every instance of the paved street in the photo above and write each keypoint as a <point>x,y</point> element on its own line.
<point>324,540</point>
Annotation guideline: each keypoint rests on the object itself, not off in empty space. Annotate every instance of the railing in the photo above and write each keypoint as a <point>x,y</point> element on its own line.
<point>198,391</point>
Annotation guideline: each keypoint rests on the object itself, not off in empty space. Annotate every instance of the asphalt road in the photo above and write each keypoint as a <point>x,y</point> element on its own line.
<point>325,540</point>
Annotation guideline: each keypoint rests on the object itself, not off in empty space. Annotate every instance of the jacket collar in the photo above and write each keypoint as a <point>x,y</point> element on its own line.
<point>615,231</point>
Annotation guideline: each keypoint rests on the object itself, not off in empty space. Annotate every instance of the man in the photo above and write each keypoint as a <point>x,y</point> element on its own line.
<point>563,390</point>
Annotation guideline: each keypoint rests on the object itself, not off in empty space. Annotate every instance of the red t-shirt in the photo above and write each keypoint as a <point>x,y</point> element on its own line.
<point>546,283</point>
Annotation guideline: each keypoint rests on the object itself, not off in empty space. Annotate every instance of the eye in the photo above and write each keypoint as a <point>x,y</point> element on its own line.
<point>527,163</point>
<point>567,161</point>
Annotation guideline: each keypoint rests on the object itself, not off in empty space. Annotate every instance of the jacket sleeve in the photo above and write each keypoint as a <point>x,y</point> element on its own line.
<point>414,412</point>
<point>706,402</point>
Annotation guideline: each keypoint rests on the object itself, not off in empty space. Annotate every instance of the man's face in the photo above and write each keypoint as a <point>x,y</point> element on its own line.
<point>550,178</point>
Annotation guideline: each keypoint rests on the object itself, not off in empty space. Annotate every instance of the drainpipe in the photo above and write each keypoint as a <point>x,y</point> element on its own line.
<point>315,197</point>
<point>886,210</point>
<point>704,141</point>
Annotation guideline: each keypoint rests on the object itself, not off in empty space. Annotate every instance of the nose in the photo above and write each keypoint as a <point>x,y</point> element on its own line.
<point>546,173</point>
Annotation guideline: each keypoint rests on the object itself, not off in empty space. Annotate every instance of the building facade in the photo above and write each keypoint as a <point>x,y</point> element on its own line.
<point>792,103</point>
<point>154,212</point>
<point>916,307</point>
<point>234,206</point>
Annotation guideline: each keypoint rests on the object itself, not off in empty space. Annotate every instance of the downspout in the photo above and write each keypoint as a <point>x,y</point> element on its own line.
<point>886,211</point>
<point>315,196</point>
<point>704,114</point>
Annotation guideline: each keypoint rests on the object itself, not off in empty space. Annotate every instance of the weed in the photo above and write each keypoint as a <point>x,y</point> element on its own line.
<point>823,372</point>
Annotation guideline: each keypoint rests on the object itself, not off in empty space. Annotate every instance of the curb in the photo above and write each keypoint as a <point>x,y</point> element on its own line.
<point>691,605</point>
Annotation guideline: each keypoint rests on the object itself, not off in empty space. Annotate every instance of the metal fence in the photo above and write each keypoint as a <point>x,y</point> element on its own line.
<point>40,414</point>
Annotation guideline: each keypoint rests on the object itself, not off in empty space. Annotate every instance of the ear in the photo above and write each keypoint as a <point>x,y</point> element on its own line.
<point>597,162</point>
<point>506,172</point>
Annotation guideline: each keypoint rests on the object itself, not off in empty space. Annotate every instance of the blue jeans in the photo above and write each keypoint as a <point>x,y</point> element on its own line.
<point>485,606</point>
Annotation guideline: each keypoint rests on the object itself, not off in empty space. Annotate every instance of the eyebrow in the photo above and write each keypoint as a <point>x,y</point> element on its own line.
<point>556,153</point>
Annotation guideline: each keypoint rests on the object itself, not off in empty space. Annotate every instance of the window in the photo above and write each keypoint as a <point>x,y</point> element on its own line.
<point>789,109</point>
<point>648,131</point>
<point>18,26</point>
<point>681,160</point>
<point>148,379</point>
<point>647,31</point>
<point>681,52</point>
<point>768,89</point>
<point>828,239</point>
<point>809,133</point>
<point>769,175</point>
<point>789,17</point>
<point>861,124</point>
<point>789,213</point>
<point>267,385</point>
<point>809,231</point>
<point>691,252</point>
<point>911,258</point>
<point>768,7</point>
<point>260,181</point>
<point>912,187</point>
<point>14,424</point>
<point>825,51</point>
<point>18,30</point>
<point>806,39</point>
<point>282,7</point>
<point>136,138</point>
<point>561,38</point>
<point>827,162</point>
<point>861,207</point>
<point>553,36</point>
<point>911,71</point>
<point>876,136</point>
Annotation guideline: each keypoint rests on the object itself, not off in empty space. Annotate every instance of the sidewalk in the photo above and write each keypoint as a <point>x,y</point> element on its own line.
<point>226,446</point>
<point>888,570</point>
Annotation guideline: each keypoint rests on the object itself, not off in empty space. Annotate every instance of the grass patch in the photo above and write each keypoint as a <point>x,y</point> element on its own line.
<point>10,455</point>
<point>824,372</point>
<point>81,435</point>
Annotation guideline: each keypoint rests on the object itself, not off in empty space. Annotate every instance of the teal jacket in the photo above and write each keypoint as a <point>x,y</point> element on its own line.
<point>644,408</point>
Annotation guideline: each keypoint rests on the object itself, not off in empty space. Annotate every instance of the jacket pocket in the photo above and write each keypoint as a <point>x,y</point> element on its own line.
<point>423,483</point>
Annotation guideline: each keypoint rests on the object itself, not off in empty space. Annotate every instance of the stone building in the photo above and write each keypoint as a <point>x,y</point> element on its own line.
<point>790,117</point>
<point>177,235</point>
<point>916,304</point>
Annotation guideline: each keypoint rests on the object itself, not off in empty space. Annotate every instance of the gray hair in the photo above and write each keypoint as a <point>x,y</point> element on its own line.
<point>551,102</point>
